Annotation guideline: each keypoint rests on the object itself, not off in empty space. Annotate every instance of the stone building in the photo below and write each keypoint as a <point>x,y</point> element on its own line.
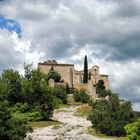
<point>73,77</point>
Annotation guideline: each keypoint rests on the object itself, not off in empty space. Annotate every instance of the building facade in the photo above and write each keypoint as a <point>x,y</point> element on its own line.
<point>73,77</point>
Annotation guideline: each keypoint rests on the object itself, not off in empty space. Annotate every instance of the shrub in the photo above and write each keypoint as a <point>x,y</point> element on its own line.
<point>133,130</point>
<point>20,107</point>
<point>53,75</point>
<point>61,94</point>
<point>77,96</point>
<point>25,112</point>
<point>81,96</point>
<point>28,116</point>
<point>100,89</point>
<point>46,111</point>
<point>110,116</point>
<point>11,128</point>
<point>57,102</point>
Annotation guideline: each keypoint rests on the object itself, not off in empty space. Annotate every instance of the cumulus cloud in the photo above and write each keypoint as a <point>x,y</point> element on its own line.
<point>107,30</point>
<point>8,55</point>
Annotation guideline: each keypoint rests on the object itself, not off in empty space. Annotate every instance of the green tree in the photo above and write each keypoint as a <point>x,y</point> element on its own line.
<point>100,86</point>
<point>53,75</point>
<point>28,71</point>
<point>109,116</point>
<point>36,92</point>
<point>85,76</point>
<point>10,128</point>
<point>100,89</point>
<point>12,81</point>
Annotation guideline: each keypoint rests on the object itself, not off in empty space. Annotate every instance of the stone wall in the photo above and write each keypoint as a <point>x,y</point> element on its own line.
<point>90,89</point>
<point>72,76</point>
<point>81,86</point>
<point>66,71</point>
<point>57,84</point>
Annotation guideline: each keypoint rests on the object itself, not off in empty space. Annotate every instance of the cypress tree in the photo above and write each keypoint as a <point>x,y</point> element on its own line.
<point>85,77</point>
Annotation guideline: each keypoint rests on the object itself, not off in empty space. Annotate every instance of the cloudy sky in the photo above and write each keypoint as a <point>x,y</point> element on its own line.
<point>65,30</point>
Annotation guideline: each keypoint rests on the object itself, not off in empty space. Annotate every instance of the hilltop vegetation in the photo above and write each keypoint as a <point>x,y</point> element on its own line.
<point>25,98</point>
<point>110,115</point>
<point>29,98</point>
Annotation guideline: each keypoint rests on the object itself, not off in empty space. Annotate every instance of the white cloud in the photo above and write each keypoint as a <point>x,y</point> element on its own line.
<point>8,55</point>
<point>66,30</point>
<point>136,106</point>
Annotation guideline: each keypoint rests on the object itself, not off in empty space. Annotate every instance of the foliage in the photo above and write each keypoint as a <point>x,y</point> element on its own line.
<point>85,77</point>
<point>53,75</point>
<point>11,81</point>
<point>36,93</point>
<point>28,116</point>
<point>81,95</point>
<point>137,114</point>
<point>24,112</point>
<point>109,116</point>
<point>57,102</point>
<point>11,128</point>
<point>93,132</point>
<point>100,85</point>
<point>20,107</point>
<point>100,89</point>
<point>133,130</point>
<point>28,98</point>
<point>61,94</point>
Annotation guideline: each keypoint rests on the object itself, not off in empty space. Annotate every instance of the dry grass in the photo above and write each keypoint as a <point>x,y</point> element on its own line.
<point>83,110</point>
<point>41,124</point>
<point>93,132</point>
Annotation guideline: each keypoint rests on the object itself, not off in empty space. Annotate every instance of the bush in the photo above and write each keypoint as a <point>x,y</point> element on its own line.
<point>25,112</point>
<point>18,129</point>
<point>110,116</point>
<point>100,89</point>
<point>59,93</point>
<point>20,107</point>
<point>76,95</point>
<point>57,102</point>
<point>11,128</point>
<point>81,96</point>
<point>46,111</point>
<point>53,75</point>
<point>28,116</point>
<point>133,130</point>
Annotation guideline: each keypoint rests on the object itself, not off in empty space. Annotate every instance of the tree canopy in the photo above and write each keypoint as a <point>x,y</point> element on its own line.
<point>26,98</point>
<point>109,116</point>
<point>100,89</point>
<point>53,75</point>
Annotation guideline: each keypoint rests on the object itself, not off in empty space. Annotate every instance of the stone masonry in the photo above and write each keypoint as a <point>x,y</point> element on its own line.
<point>74,78</point>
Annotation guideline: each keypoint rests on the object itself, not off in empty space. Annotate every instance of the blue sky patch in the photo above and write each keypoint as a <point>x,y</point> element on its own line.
<point>10,25</point>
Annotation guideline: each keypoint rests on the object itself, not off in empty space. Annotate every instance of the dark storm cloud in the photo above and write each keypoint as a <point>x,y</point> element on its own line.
<point>62,29</point>
<point>85,24</point>
<point>127,8</point>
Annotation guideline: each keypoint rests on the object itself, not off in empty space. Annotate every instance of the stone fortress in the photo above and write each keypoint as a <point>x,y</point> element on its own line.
<point>74,78</point>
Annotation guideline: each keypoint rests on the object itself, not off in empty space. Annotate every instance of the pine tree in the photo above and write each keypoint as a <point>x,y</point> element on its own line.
<point>85,77</point>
